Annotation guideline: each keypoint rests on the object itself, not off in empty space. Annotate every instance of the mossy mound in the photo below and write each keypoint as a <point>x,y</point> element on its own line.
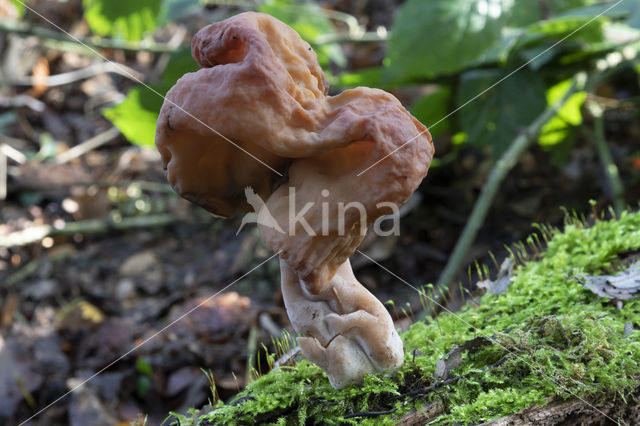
<point>548,338</point>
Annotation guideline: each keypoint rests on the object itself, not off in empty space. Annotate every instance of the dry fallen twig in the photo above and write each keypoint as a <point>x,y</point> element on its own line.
<point>81,74</point>
<point>86,44</point>
<point>37,233</point>
<point>88,145</point>
<point>412,395</point>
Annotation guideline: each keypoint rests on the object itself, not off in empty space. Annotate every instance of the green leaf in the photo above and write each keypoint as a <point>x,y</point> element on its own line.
<point>534,41</point>
<point>496,117</point>
<point>143,384</point>
<point>442,36</point>
<point>526,12</point>
<point>369,77</point>
<point>19,6</point>
<point>126,19</point>
<point>173,10</point>
<point>612,9</point>
<point>436,37</point>
<point>143,366</point>
<point>181,63</point>
<point>309,20</point>
<point>136,116</point>
<point>559,127</point>
<point>634,14</point>
<point>588,29</point>
<point>432,108</point>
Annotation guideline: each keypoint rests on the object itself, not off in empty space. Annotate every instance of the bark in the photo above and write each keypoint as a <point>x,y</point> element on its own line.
<point>570,412</point>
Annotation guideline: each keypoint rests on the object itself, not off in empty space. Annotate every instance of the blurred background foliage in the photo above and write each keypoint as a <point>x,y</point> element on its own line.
<point>460,47</point>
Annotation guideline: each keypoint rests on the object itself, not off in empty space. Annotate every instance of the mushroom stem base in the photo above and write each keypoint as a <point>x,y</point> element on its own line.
<point>348,332</point>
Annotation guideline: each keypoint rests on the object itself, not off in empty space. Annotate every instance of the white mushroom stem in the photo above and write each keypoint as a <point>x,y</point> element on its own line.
<point>348,332</point>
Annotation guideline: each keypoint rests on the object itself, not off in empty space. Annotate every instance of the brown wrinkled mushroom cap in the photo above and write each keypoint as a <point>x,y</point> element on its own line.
<point>255,88</point>
<point>262,91</point>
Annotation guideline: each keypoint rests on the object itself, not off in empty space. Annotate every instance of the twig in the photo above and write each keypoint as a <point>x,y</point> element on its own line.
<point>423,391</point>
<point>3,175</point>
<point>26,29</point>
<point>31,267</point>
<point>269,325</point>
<point>7,151</point>
<point>609,166</point>
<point>497,175</point>
<point>37,233</point>
<point>20,101</point>
<point>81,74</point>
<point>11,152</point>
<point>370,413</point>
<point>450,380</point>
<point>88,145</point>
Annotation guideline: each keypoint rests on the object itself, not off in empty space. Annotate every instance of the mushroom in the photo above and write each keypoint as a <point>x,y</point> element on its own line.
<point>259,105</point>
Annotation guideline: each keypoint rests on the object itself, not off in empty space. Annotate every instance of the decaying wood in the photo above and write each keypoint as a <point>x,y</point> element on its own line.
<point>422,416</point>
<point>571,412</point>
<point>575,412</point>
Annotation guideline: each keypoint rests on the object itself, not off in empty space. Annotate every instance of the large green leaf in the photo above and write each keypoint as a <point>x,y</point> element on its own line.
<point>310,22</point>
<point>432,108</point>
<point>587,29</point>
<point>558,128</point>
<point>434,37</point>
<point>612,9</point>
<point>634,14</point>
<point>181,63</point>
<point>173,10</point>
<point>442,36</point>
<point>126,19</point>
<point>577,33</point>
<point>525,12</point>
<point>136,116</point>
<point>496,116</point>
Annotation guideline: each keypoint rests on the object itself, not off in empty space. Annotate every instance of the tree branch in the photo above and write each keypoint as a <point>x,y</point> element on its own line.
<point>64,42</point>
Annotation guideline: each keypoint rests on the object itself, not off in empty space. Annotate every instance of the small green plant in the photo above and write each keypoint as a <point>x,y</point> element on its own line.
<point>144,376</point>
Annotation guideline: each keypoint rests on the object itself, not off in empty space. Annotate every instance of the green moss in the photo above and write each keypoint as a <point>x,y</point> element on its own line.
<point>550,338</point>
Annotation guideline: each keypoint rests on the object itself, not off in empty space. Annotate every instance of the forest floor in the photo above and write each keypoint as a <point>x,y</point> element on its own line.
<point>78,298</point>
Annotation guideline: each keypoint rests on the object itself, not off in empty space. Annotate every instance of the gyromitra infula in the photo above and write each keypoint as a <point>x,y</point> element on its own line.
<point>261,95</point>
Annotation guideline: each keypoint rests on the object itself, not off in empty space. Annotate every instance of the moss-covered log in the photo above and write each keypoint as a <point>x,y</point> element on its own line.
<point>551,350</point>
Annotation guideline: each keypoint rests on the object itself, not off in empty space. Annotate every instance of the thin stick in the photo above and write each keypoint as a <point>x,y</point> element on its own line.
<point>26,29</point>
<point>606,159</point>
<point>497,175</point>
<point>80,74</point>
<point>88,145</point>
<point>37,233</point>
<point>22,100</point>
<point>3,175</point>
<point>12,153</point>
